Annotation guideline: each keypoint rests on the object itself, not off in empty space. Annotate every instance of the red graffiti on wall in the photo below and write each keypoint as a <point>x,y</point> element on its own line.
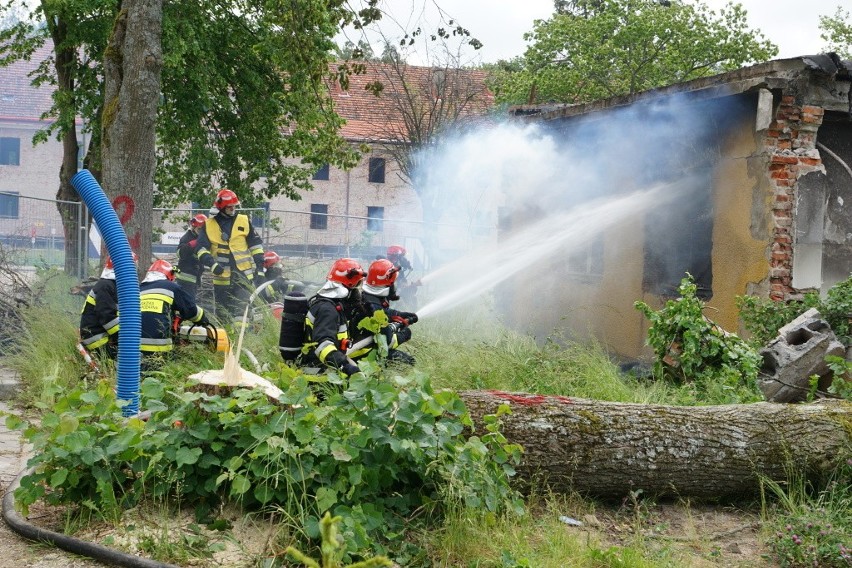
<point>125,207</point>
<point>528,399</point>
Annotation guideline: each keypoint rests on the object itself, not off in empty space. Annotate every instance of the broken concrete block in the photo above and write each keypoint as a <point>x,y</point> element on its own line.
<point>798,353</point>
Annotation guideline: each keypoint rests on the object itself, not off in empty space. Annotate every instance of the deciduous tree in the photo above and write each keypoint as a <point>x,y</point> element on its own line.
<point>837,31</point>
<point>603,48</point>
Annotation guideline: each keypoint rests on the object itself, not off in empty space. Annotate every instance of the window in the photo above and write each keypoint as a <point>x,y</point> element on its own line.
<point>376,219</point>
<point>319,216</point>
<point>322,173</point>
<point>377,170</point>
<point>587,260</point>
<point>258,218</point>
<point>679,239</point>
<point>10,152</point>
<point>9,205</point>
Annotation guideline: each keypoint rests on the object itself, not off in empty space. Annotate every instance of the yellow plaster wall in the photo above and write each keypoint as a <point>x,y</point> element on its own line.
<point>742,205</point>
<point>556,302</point>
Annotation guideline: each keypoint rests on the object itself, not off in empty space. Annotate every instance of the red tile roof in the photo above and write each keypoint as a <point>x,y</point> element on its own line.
<point>19,100</point>
<point>435,92</point>
<point>369,117</point>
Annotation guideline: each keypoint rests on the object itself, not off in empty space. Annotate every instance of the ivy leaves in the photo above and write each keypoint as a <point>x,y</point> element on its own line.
<point>691,348</point>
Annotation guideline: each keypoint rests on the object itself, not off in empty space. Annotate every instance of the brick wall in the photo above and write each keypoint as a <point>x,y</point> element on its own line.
<point>791,146</point>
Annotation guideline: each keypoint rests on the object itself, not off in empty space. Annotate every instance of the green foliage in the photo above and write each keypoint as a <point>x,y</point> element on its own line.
<point>813,526</point>
<point>330,549</point>
<point>617,47</point>
<point>763,317</point>
<point>841,385</point>
<point>690,347</point>
<point>375,454</point>
<point>837,31</point>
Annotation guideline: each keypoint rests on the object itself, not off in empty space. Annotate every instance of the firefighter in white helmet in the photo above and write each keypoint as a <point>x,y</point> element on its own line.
<point>99,321</point>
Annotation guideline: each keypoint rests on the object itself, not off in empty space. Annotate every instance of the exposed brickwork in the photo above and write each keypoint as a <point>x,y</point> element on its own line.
<point>791,146</point>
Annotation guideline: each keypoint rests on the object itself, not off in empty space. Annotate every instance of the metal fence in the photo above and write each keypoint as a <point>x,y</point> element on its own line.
<point>33,229</point>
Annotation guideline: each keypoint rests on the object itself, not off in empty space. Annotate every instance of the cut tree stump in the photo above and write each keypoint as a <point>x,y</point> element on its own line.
<point>608,449</point>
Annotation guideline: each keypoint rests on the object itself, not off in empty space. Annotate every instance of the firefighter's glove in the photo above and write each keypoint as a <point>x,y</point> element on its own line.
<point>217,269</point>
<point>348,369</point>
<point>410,317</point>
<point>203,322</point>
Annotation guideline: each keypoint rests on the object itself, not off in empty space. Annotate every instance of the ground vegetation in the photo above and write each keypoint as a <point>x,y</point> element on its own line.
<point>239,479</point>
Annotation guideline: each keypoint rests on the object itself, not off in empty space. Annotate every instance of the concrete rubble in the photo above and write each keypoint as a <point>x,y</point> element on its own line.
<point>797,354</point>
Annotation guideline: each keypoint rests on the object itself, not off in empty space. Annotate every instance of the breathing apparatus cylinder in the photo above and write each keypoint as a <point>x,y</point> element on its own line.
<point>293,316</point>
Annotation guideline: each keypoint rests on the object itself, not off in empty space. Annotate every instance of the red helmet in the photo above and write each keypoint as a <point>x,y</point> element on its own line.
<point>198,220</point>
<point>226,198</point>
<point>109,265</point>
<point>395,250</point>
<point>270,258</point>
<point>163,267</point>
<point>382,273</point>
<point>346,271</point>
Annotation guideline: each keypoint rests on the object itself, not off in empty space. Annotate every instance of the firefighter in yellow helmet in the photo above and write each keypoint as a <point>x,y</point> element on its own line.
<point>233,251</point>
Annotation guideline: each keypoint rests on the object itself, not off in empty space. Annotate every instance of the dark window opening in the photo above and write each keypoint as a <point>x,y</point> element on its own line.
<point>377,170</point>
<point>376,219</point>
<point>10,151</point>
<point>322,173</point>
<point>9,205</point>
<point>679,239</point>
<point>319,216</point>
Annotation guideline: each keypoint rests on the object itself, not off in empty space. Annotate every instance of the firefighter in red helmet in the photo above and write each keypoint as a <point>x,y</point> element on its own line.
<point>189,269</point>
<point>160,299</point>
<point>402,288</point>
<point>233,251</point>
<point>326,333</point>
<point>278,285</point>
<point>374,316</point>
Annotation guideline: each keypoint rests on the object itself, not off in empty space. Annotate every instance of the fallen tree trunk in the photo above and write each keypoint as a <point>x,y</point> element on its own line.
<point>608,449</point>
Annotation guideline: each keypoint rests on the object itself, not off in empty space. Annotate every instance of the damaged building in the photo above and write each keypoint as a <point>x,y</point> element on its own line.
<point>758,187</point>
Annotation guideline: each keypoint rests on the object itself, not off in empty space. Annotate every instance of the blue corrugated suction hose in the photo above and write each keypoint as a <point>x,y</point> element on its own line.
<point>127,283</point>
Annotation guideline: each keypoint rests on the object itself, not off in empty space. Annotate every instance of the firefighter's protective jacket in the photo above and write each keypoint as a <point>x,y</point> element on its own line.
<point>364,340</point>
<point>159,300</point>
<point>233,244</point>
<point>99,319</point>
<point>327,332</point>
<point>189,268</point>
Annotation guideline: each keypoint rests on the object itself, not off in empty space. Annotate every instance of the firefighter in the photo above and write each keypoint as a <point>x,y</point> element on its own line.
<point>402,289</point>
<point>381,277</point>
<point>161,299</point>
<point>275,274</point>
<point>99,321</point>
<point>233,251</point>
<point>326,336</point>
<point>189,269</point>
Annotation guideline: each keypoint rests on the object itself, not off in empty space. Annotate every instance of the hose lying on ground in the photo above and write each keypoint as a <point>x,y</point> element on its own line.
<point>81,547</point>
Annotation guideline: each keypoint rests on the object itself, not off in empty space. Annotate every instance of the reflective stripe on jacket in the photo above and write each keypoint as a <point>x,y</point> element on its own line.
<point>159,300</point>
<point>99,317</point>
<point>224,247</point>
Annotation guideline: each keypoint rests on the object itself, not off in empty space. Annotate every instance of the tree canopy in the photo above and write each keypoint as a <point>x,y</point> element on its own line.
<point>235,77</point>
<point>837,31</point>
<point>596,49</point>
